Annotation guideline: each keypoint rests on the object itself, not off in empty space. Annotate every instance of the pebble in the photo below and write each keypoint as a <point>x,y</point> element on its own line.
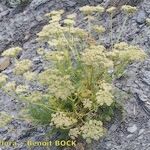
<point>129,136</point>
<point>141,17</point>
<point>4,63</point>
<point>132,128</point>
<point>148,123</point>
<point>3,130</point>
<point>141,131</point>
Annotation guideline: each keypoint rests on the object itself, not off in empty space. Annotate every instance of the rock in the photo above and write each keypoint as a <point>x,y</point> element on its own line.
<point>141,17</point>
<point>3,14</point>
<point>118,3</point>
<point>148,123</point>
<point>3,130</point>
<point>146,77</point>
<point>4,63</point>
<point>129,136</point>
<point>35,3</point>
<point>141,131</point>
<point>69,3</point>
<point>132,129</point>
<point>98,1</point>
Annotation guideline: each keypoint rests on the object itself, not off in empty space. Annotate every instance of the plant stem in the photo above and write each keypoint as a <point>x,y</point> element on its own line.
<point>111,33</point>
<point>122,29</point>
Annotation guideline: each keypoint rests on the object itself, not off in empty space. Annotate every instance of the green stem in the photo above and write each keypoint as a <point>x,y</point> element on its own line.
<point>122,29</point>
<point>89,25</point>
<point>111,33</point>
<point>42,105</point>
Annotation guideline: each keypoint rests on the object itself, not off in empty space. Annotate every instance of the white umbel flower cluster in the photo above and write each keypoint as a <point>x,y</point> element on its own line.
<point>12,52</point>
<point>22,66</point>
<point>59,85</point>
<point>92,130</point>
<point>61,120</point>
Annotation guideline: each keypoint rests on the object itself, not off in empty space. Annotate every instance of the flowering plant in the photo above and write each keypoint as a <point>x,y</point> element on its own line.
<point>76,93</point>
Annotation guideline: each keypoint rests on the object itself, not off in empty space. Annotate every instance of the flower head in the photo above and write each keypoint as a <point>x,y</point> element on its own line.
<point>74,133</point>
<point>92,130</point>
<point>10,87</point>
<point>69,22</point>
<point>104,97</point>
<point>129,9</point>
<point>21,89</point>
<point>61,120</point>
<point>148,21</point>
<point>87,103</point>
<point>88,10</point>
<point>3,79</point>
<point>95,56</point>
<point>29,75</point>
<point>35,96</point>
<point>60,86</point>
<point>12,52</point>
<point>99,29</point>
<point>72,16</point>
<point>99,9</point>
<point>111,10</point>
<point>55,13</point>
<point>4,119</point>
<point>22,66</point>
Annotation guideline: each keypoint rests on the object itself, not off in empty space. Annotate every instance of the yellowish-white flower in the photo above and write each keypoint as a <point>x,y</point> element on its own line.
<point>99,29</point>
<point>55,56</point>
<point>77,32</point>
<point>60,86</point>
<point>92,130</point>
<point>148,21</point>
<point>111,10</point>
<point>129,9</point>
<point>12,52</point>
<point>22,66</point>
<point>35,96</point>
<point>104,97</point>
<point>21,89</point>
<point>3,79</point>
<point>88,10</point>
<point>55,19</point>
<point>10,87</point>
<point>5,118</point>
<point>105,86</point>
<point>121,46</point>
<point>69,22</point>
<point>72,16</point>
<point>40,51</point>
<point>99,9</point>
<point>74,133</point>
<point>55,13</point>
<point>29,76</point>
<point>96,57</point>
<point>61,120</point>
<point>87,103</point>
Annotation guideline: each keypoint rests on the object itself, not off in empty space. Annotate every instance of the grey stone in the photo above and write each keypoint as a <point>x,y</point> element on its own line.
<point>132,128</point>
<point>3,14</point>
<point>35,3</point>
<point>3,130</point>
<point>141,131</point>
<point>69,3</point>
<point>148,123</point>
<point>98,1</point>
<point>146,77</point>
<point>141,17</point>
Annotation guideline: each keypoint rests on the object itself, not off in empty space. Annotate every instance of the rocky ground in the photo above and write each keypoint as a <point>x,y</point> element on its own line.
<point>19,26</point>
